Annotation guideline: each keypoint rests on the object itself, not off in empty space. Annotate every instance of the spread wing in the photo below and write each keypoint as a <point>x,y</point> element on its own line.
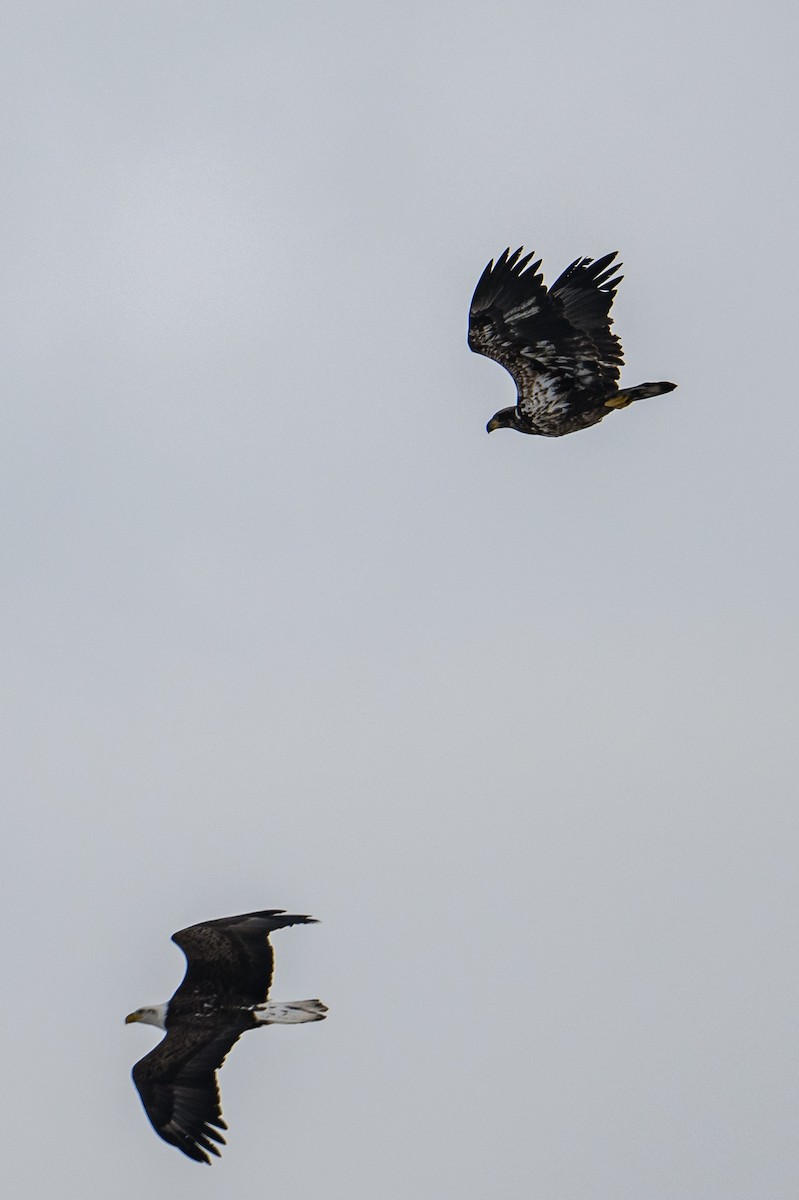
<point>229,960</point>
<point>556,344</point>
<point>586,290</point>
<point>178,1088</point>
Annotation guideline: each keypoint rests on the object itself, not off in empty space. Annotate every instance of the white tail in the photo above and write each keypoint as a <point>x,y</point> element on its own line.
<point>290,1012</point>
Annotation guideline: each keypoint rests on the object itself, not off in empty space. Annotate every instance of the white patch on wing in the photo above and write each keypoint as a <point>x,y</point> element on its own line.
<point>585,373</point>
<point>548,355</point>
<point>522,312</point>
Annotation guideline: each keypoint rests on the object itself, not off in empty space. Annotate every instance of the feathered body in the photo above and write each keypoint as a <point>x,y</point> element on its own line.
<point>557,344</point>
<point>223,994</point>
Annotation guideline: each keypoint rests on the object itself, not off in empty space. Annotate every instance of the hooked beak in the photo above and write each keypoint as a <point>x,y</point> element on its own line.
<point>131,1017</point>
<point>492,425</point>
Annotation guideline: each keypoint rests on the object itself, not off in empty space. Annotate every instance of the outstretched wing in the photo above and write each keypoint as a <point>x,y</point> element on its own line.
<point>178,1088</point>
<point>586,291</point>
<point>556,344</point>
<point>230,959</point>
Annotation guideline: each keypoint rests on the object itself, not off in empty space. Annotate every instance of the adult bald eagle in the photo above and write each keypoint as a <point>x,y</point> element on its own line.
<point>223,993</point>
<point>556,344</point>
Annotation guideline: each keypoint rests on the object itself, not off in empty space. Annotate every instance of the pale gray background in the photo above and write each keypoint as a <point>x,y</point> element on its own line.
<point>284,627</point>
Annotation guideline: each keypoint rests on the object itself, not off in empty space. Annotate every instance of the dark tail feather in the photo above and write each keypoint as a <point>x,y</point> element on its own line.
<point>627,396</point>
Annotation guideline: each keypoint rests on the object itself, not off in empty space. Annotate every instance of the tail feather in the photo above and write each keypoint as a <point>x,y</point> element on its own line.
<point>643,391</point>
<point>290,1012</point>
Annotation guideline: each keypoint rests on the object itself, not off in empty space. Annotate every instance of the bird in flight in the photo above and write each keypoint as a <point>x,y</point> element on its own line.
<point>557,343</point>
<point>224,993</point>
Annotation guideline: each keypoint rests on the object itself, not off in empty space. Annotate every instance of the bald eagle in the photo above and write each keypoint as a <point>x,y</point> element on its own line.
<point>223,993</point>
<point>556,344</point>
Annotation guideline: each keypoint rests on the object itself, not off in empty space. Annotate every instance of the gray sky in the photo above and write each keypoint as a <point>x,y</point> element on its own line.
<point>284,627</point>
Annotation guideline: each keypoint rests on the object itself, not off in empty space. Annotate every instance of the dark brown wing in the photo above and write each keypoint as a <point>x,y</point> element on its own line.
<point>544,339</point>
<point>178,1088</point>
<point>229,961</point>
<point>586,291</point>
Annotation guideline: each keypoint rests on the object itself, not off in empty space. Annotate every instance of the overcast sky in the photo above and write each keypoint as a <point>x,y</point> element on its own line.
<point>284,628</point>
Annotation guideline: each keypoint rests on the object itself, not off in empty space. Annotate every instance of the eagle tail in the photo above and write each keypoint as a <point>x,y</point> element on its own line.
<point>626,396</point>
<point>290,1012</point>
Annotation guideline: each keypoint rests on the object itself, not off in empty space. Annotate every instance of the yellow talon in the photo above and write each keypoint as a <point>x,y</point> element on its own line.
<point>620,401</point>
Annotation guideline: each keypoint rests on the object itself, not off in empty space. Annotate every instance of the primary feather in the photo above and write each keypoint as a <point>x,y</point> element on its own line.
<point>223,993</point>
<point>557,344</point>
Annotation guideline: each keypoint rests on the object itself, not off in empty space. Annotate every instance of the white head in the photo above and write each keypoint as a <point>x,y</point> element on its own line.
<point>154,1015</point>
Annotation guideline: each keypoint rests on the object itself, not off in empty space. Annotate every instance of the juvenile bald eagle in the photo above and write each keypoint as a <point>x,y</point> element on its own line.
<point>556,344</point>
<point>223,993</point>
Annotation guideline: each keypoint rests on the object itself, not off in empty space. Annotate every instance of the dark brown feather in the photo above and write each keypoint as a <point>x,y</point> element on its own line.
<point>556,344</point>
<point>228,973</point>
<point>178,1088</point>
<point>230,961</point>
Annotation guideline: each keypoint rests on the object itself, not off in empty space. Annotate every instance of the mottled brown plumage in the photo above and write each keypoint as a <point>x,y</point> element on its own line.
<point>557,344</point>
